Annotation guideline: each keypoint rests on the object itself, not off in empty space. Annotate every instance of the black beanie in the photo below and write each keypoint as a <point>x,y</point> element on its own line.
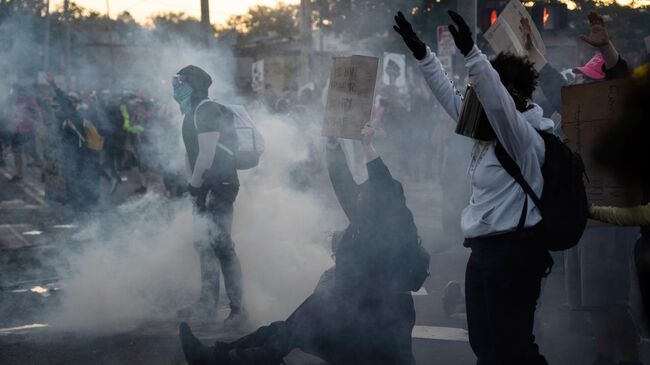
<point>198,79</point>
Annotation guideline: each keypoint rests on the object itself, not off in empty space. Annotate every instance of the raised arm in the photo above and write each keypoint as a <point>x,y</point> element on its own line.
<point>515,134</point>
<point>440,84</point>
<point>345,188</point>
<point>635,216</point>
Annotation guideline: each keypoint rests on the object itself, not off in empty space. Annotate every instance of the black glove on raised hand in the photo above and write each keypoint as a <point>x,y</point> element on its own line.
<point>404,28</point>
<point>462,35</point>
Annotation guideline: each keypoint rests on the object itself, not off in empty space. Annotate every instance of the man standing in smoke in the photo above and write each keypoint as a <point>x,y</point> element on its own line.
<point>208,132</point>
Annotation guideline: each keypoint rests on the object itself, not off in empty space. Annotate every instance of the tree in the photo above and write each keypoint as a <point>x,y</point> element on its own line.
<point>262,21</point>
<point>170,26</point>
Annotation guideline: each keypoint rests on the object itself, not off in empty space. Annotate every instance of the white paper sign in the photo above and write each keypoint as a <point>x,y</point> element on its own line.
<point>506,34</point>
<point>257,75</point>
<point>350,96</point>
<point>394,69</point>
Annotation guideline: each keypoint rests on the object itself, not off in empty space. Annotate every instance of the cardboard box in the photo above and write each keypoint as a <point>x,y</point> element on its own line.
<point>350,96</point>
<point>588,110</point>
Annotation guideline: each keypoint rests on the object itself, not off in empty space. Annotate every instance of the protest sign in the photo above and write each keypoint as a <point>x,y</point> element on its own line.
<point>507,35</point>
<point>350,96</point>
<point>394,69</point>
<point>257,75</point>
<point>587,111</point>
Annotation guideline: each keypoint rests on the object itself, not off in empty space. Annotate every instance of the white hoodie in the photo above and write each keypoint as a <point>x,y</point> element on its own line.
<point>497,200</point>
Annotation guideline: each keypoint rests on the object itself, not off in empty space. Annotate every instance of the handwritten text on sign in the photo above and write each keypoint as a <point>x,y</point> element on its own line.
<point>350,96</point>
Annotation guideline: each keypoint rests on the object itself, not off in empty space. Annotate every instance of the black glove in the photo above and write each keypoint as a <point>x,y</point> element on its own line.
<point>198,195</point>
<point>194,192</point>
<point>462,35</point>
<point>411,39</point>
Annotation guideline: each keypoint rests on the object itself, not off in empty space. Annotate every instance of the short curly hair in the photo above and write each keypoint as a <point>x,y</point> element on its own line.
<point>518,75</point>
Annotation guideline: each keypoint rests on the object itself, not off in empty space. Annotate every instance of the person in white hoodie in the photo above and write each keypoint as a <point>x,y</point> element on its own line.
<point>507,262</point>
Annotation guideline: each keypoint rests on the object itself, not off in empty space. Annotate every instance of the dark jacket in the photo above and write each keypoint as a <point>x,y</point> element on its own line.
<point>381,226</point>
<point>68,112</point>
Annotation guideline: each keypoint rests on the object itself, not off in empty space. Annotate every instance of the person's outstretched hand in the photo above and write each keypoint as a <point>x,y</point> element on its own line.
<point>462,35</point>
<point>404,28</point>
<point>599,36</point>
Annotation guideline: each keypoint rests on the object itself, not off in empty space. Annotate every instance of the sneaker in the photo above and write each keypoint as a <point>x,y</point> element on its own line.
<point>236,319</point>
<point>452,297</point>
<point>198,310</point>
<point>194,351</point>
<point>16,178</point>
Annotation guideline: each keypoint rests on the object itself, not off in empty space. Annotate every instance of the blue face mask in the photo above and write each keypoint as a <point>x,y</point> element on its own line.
<point>183,96</point>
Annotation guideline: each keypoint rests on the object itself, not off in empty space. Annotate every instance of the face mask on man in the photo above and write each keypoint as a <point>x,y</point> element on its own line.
<point>182,93</point>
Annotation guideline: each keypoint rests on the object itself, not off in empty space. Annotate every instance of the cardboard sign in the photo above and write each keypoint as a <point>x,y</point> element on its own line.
<point>394,70</point>
<point>350,96</point>
<point>506,35</point>
<point>587,111</point>
<point>257,75</point>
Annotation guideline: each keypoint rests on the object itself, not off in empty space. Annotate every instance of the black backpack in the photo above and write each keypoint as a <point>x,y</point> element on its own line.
<point>413,268</point>
<point>563,203</point>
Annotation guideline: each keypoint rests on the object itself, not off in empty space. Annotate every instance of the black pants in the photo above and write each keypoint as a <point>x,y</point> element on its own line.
<point>642,262</point>
<point>218,254</point>
<point>341,330</point>
<point>502,286</point>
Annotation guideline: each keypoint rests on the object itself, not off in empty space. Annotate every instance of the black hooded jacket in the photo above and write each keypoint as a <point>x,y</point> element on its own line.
<point>221,178</point>
<point>381,227</point>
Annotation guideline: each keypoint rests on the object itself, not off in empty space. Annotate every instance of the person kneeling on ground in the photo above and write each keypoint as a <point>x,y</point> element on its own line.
<point>361,312</point>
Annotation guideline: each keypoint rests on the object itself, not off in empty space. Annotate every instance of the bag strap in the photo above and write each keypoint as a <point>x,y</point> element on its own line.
<point>220,145</point>
<point>511,167</point>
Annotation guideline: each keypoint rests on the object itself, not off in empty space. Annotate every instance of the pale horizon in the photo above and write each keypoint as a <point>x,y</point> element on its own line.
<point>141,10</point>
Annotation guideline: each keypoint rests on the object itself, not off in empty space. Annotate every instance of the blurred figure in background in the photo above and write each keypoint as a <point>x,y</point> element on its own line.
<point>25,114</point>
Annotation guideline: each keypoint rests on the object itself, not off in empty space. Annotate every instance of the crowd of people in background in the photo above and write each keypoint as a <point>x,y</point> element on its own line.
<point>87,142</point>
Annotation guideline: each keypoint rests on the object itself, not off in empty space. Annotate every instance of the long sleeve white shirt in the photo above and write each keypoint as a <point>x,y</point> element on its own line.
<point>496,200</point>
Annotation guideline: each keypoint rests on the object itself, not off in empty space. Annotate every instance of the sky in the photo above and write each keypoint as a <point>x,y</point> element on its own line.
<point>220,10</point>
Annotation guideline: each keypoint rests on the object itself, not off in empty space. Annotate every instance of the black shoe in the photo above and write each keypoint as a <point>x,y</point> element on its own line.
<point>194,351</point>
<point>236,319</point>
<point>16,178</point>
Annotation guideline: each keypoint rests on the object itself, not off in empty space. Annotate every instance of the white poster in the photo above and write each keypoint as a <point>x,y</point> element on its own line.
<point>350,96</point>
<point>394,70</point>
<point>507,35</point>
<point>257,75</point>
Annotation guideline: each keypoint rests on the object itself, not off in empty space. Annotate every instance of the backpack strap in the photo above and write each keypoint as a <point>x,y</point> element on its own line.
<point>511,167</point>
<point>220,145</point>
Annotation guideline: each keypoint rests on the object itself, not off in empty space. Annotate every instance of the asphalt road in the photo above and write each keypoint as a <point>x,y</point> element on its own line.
<point>30,289</point>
